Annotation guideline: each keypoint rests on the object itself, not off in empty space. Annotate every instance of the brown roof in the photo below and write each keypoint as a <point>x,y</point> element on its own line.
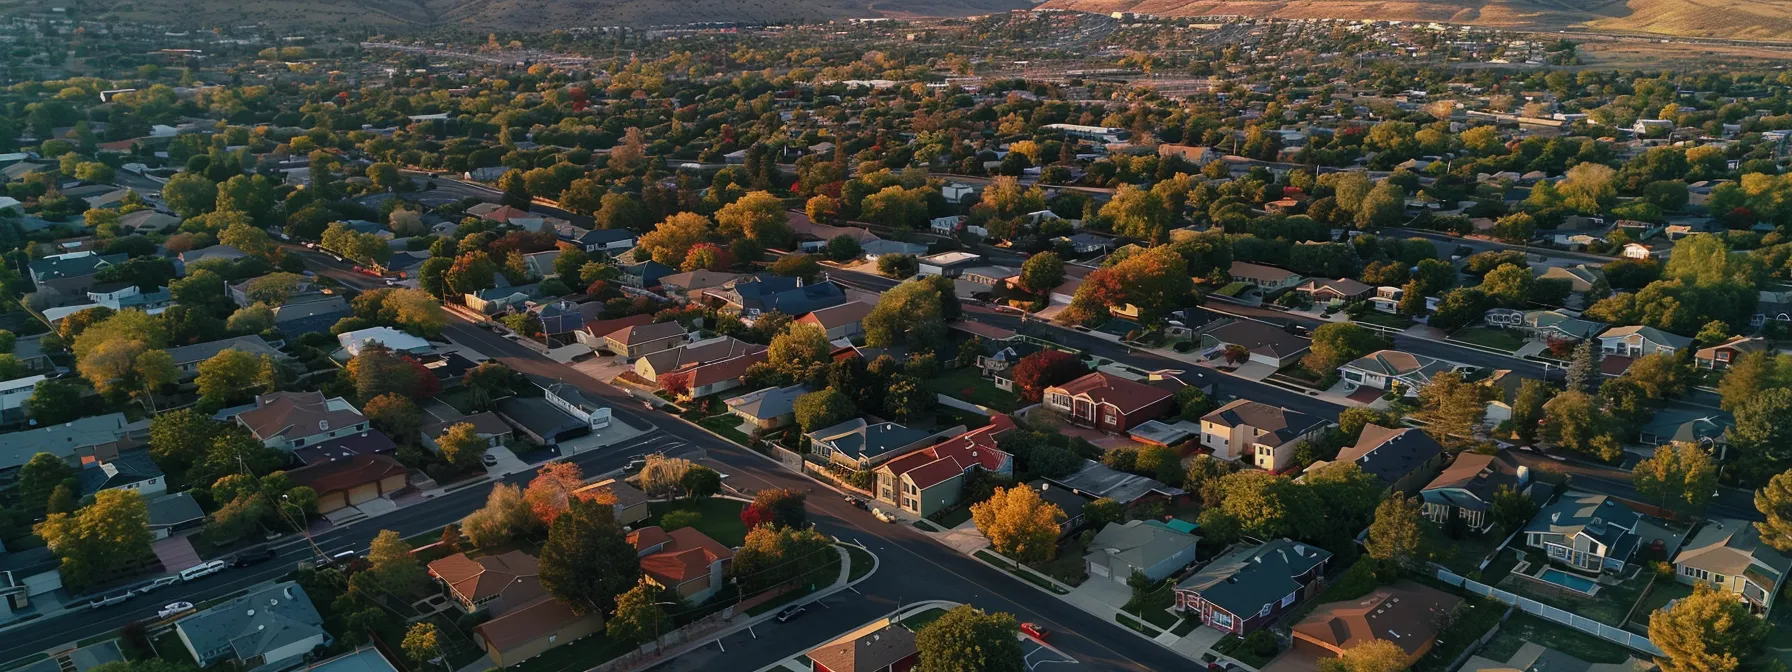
<point>602,328</point>
<point>866,652</point>
<point>1105,388</point>
<point>1737,344</point>
<point>647,333</point>
<point>527,623</point>
<point>342,474</point>
<point>713,350</point>
<point>1260,272</point>
<point>297,414</point>
<point>1261,338</point>
<point>716,372</point>
<point>1406,613</point>
<point>625,495</point>
<point>699,279</point>
<point>485,577</point>
<point>837,316</point>
<point>1343,286</point>
<point>487,424</point>
<point>687,553</point>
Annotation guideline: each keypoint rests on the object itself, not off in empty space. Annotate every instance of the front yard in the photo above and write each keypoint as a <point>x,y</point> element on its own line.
<point>1498,339</point>
<point>969,385</point>
<point>1462,556</point>
<point>720,518</point>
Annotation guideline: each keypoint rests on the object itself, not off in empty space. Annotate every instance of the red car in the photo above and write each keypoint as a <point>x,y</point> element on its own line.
<point>1033,630</point>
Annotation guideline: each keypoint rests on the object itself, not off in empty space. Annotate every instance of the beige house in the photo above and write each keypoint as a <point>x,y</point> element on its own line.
<point>636,341</point>
<point>292,420</point>
<point>719,349</point>
<point>842,321</point>
<point>1258,434</point>
<point>1729,555</point>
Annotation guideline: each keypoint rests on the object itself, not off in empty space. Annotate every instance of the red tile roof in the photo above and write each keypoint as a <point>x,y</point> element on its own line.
<point>1105,388</point>
<point>715,372</point>
<point>487,576</point>
<point>685,555</point>
<point>343,474</point>
<point>838,316</point>
<point>936,464</point>
<point>604,328</point>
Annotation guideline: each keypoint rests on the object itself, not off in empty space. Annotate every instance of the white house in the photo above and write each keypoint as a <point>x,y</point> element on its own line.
<point>1638,341</point>
<point>1385,368</point>
<point>393,339</point>
<point>574,403</point>
<point>13,394</point>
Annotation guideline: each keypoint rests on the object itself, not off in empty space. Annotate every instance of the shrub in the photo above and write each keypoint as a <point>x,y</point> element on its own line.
<point>1262,643</point>
<point>676,519</point>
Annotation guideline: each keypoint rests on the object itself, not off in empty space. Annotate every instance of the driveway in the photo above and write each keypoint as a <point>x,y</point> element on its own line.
<point>603,368</point>
<point>508,462</point>
<point>176,553</point>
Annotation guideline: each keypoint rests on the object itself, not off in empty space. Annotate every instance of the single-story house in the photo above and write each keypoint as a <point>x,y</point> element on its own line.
<point>634,341</point>
<point>630,502</point>
<point>397,341</point>
<point>487,425</point>
<point>500,299</point>
<point>274,627</point>
<point>1639,341</point>
<point>292,420</point>
<point>842,321</point>
<point>1403,458</point>
<point>1384,369</point>
<point>770,408</point>
<point>1341,290</point>
<point>1268,278</point>
<point>689,355</point>
<point>890,648</point>
<point>83,441</point>
<point>1266,343</point>
<point>352,480</point>
<point>857,444</point>
<point>130,470</point>
<point>697,380</point>
<point>172,513</point>
<point>187,358</point>
<point>1544,325</point>
<point>1146,546</point>
<point>1721,356</point>
<point>684,561</point>
<point>1248,588</point>
<point>1408,614</point>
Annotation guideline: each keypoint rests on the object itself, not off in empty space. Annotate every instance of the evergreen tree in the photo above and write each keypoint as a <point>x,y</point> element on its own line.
<point>1583,370</point>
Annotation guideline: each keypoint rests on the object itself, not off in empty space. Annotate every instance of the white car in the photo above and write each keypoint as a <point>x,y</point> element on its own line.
<point>880,515</point>
<point>174,609</point>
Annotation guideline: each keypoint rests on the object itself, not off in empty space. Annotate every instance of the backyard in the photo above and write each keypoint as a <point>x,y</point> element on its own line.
<point>968,384</point>
<point>1610,604</point>
<point>1664,591</point>
<point>720,518</point>
<point>1521,628</point>
<point>1498,339</point>
<point>1474,620</point>
<point>1463,555</point>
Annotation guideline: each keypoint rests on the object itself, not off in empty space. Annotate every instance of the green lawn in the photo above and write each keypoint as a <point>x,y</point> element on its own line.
<point>1025,575</point>
<point>862,562</point>
<point>169,648</point>
<point>1664,591</point>
<point>920,620</point>
<point>1609,605</point>
<point>1498,339</point>
<point>580,655</point>
<point>819,578</point>
<point>1523,628</point>
<point>1382,319</point>
<point>461,399</point>
<point>969,385</point>
<point>720,521</point>
<point>1472,622</point>
<point>1462,555</point>
<point>728,425</point>
<point>955,518</point>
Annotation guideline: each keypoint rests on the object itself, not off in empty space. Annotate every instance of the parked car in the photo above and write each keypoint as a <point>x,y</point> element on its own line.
<point>158,582</point>
<point>253,555</point>
<point>635,463</point>
<point>1461,252</point>
<point>1033,630</point>
<point>109,599</point>
<point>791,612</point>
<point>337,560</point>
<point>201,571</point>
<point>880,515</point>
<point>857,502</point>
<point>174,609</point>
<point>489,460</point>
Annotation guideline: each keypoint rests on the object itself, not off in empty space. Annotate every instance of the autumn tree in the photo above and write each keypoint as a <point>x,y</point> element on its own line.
<point>1153,281</point>
<point>461,444</point>
<point>422,643</point>
<point>588,560</point>
<point>398,571</point>
<point>1774,501</point>
<point>550,493</point>
<point>778,507</point>
<point>671,241</point>
<point>1708,631</point>
<point>1019,524</point>
<point>504,517</point>
<point>1043,369</point>
<point>914,314</point>
<point>1375,655</point>
<point>757,216</point>
<point>774,555</point>
<point>111,532</point>
<point>801,345</point>
<point>663,476</point>
<point>234,376</point>
<point>1678,476</point>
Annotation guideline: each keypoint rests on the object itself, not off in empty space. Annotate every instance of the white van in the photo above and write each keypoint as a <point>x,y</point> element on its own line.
<point>201,571</point>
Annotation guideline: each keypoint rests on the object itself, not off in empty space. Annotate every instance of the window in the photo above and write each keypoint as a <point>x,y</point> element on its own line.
<point>1266,608</point>
<point>1220,619</point>
<point>1289,599</point>
<point>1718,579</point>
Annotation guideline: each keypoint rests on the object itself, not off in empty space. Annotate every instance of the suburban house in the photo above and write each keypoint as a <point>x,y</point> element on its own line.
<point>72,265</point>
<point>1108,402</point>
<point>1639,341</point>
<point>273,628</point>
<point>13,394</point>
<point>890,648</point>
<point>682,285</point>
<point>1544,325</point>
<point>83,441</point>
<point>1404,458</point>
<point>605,241</point>
<point>947,264</point>
<point>752,296</point>
<point>318,314</point>
<point>690,355</point>
<point>997,357</point>
<point>629,502</point>
<point>486,425</point>
<point>931,479</point>
<point>131,470</point>
<point>768,409</point>
<point>1146,546</point>
<point>1067,500</point>
<point>1263,435</point>
<point>1591,532</point>
<point>857,444</point>
<point>842,321</point>
<point>1247,588</point>
<point>172,513</point>
<point>1268,278</point>
<point>1709,430</point>
<point>634,341</point>
<point>187,358</point>
<point>505,214</point>
<point>1265,343</point>
<point>573,402</point>
<point>1721,356</point>
<point>500,299</point>
<point>594,330</point>
<point>1466,489</point>
<point>1342,290</point>
<point>353,342</point>
<point>292,420</point>
<point>1406,613</point>
<point>1386,369</point>
<point>1729,555</point>
<point>683,561</point>
<point>557,317</point>
<point>524,619</point>
<point>353,479</point>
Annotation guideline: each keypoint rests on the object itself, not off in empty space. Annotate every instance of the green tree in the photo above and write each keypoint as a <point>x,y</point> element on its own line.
<point>1338,343</point>
<point>802,344</point>
<point>234,376</point>
<point>1511,509</point>
<point>399,572</point>
<point>913,313</point>
<point>1775,504</point>
<point>40,476</point>
<point>190,194</point>
<point>825,408</point>
<point>1042,272</point>
<point>967,638</point>
<point>1396,535</point>
<point>1680,476</point>
<point>1138,213</point>
<point>1375,655</point>
<point>638,615</point>
<point>1583,370</point>
<point>111,532</point>
<point>1452,408</point>
<point>1097,514</point>
<point>54,402</point>
<point>1763,430</point>
<point>1709,631</point>
<point>588,560</point>
<point>700,482</point>
<point>1527,408</point>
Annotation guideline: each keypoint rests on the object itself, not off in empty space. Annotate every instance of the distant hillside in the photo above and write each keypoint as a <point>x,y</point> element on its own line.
<point>525,14</point>
<point>1733,19</point>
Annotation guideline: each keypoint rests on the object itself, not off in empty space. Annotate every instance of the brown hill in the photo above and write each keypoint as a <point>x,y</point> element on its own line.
<point>1732,19</point>
<point>523,14</point>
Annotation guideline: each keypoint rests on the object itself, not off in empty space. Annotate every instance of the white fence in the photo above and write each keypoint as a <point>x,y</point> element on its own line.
<point>1609,633</point>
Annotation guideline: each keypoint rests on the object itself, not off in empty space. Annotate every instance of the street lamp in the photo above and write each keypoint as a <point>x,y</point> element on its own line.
<point>658,622</point>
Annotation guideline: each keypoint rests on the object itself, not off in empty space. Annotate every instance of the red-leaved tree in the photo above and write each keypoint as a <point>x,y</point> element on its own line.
<point>1044,369</point>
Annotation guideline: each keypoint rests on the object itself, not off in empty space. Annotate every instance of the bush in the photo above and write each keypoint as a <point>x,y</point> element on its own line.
<point>1183,346</point>
<point>677,519</point>
<point>1262,643</point>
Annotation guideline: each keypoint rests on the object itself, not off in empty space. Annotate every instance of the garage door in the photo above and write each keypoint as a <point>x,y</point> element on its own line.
<point>1098,570</point>
<point>362,493</point>
<point>43,583</point>
<point>332,501</point>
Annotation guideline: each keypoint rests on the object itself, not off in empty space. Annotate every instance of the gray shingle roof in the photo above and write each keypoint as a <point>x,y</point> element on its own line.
<point>1244,580</point>
<point>254,624</point>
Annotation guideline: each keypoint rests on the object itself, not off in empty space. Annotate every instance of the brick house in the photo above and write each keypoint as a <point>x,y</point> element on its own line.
<point>1108,402</point>
<point>1246,589</point>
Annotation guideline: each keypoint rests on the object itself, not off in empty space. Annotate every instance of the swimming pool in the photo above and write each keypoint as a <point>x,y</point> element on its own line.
<point>1569,581</point>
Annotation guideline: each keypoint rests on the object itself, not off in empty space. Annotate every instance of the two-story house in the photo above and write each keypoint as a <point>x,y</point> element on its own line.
<point>931,479</point>
<point>1403,458</point>
<point>1466,489</point>
<point>1721,356</point>
<point>1388,369</point>
<point>1246,589</point>
<point>187,358</point>
<point>1259,434</point>
<point>1592,533</point>
<point>857,444</point>
<point>1729,555</point>
<point>1108,402</point>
